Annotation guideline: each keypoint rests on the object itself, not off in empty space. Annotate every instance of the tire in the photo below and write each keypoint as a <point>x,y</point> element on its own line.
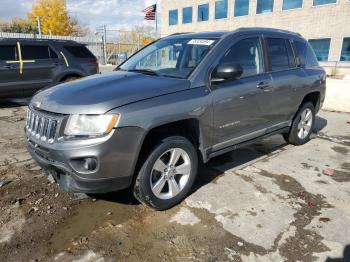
<point>295,135</point>
<point>158,173</point>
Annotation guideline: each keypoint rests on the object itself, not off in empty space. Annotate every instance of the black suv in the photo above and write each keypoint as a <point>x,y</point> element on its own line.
<point>178,102</point>
<point>27,65</point>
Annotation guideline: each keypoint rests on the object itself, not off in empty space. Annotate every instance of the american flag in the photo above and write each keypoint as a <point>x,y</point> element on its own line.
<point>150,12</point>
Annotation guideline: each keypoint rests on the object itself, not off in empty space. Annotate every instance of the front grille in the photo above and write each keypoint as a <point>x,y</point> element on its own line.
<point>40,126</point>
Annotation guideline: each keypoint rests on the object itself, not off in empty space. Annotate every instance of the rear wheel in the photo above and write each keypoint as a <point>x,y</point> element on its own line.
<point>167,174</point>
<point>302,125</point>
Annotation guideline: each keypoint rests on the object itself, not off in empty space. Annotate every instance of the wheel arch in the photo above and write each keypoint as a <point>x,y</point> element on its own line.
<point>68,75</point>
<point>314,98</point>
<point>188,128</point>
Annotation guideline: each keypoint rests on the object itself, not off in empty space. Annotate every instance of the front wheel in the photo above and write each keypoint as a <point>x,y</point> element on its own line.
<point>167,174</point>
<point>302,125</point>
<point>70,79</point>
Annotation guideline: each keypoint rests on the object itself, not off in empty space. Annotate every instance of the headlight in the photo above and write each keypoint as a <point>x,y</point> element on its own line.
<point>90,125</point>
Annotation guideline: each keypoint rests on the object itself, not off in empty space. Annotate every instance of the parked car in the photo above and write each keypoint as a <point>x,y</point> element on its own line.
<point>182,100</point>
<point>27,65</point>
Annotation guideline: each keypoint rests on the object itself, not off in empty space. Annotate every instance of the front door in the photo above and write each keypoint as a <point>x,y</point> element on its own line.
<point>238,103</point>
<point>10,83</point>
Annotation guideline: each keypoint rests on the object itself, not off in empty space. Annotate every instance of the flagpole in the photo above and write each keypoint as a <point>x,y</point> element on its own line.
<point>156,18</point>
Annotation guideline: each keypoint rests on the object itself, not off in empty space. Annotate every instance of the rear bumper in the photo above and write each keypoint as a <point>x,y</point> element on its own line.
<point>115,155</point>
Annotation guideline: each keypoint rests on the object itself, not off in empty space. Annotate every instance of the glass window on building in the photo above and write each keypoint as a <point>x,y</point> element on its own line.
<point>324,2</point>
<point>187,15</point>
<point>221,9</point>
<point>264,6</point>
<point>203,12</point>
<point>321,48</point>
<point>292,4</point>
<point>173,17</point>
<point>345,51</point>
<point>241,7</point>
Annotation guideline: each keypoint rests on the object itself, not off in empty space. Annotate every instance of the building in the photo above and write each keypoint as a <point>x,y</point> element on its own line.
<point>325,23</point>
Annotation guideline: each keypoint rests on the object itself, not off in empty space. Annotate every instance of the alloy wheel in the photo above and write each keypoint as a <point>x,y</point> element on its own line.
<point>305,123</point>
<point>170,173</point>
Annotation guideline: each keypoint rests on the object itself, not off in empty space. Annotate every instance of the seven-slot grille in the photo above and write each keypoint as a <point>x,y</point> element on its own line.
<point>43,127</point>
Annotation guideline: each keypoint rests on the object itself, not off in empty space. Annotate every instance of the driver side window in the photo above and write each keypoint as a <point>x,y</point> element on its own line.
<point>248,54</point>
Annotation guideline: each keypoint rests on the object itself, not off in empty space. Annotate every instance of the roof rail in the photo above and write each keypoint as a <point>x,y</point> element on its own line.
<point>35,39</point>
<point>182,33</point>
<point>269,29</point>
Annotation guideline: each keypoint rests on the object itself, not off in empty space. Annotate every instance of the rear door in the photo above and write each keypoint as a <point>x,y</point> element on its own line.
<point>287,77</point>
<point>10,83</point>
<point>314,75</point>
<point>39,64</point>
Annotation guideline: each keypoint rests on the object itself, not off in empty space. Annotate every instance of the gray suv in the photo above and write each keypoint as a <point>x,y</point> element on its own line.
<point>28,65</point>
<point>178,102</point>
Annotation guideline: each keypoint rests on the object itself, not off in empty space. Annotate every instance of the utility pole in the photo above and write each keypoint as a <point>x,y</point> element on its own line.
<point>39,26</point>
<point>104,44</point>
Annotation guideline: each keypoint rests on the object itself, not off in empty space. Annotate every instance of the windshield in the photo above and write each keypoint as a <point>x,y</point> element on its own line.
<point>170,57</point>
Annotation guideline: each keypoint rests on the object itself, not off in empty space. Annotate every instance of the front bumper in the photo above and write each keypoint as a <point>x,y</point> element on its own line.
<point>115,155</point>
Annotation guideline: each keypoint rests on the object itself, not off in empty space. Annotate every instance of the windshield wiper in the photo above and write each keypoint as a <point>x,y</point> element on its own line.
<point>144,71</point>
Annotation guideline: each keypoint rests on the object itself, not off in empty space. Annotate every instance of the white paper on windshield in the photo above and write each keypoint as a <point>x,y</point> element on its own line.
<point>200,42</point>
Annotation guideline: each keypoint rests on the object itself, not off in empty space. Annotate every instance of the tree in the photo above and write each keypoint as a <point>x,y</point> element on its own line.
<point>54,18</point>
<point>17,25</point>
<point>138,35</point>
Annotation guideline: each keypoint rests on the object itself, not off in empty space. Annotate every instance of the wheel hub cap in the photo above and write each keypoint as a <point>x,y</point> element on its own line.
<point>305,123</point>
<point>170,173</point>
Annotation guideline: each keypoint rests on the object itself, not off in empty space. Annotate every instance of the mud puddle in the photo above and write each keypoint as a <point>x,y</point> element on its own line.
<point>90,216</point>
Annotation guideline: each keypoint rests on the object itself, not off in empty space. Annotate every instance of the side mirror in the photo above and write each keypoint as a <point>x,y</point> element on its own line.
<point>227,72</point>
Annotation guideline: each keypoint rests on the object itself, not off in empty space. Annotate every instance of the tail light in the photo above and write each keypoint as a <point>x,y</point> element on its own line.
<point>95,62</point>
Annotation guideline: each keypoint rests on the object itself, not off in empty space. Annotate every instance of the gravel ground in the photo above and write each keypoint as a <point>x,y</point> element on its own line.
<point>266,202</point>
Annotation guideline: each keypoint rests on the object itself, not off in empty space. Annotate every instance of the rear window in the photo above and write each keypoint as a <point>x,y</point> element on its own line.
<point>79,51</point>
<point>305,53</point>
<point>8,52</point>
<point>280,55</point>
<point>33,52</point>
<point>291,57</point>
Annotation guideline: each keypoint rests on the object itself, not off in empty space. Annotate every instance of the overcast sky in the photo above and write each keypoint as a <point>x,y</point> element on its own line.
<point>93,13</point>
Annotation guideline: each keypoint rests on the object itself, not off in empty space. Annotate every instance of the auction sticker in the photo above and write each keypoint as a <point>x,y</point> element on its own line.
<point>201,42</point>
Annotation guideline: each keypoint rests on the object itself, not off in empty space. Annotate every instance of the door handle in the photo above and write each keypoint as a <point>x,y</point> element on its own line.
<point>263,85</point>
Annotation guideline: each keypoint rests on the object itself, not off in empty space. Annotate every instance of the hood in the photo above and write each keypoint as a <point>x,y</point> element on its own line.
<point>100,93</point>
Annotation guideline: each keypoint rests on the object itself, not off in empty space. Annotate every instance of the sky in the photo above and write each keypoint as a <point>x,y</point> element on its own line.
<point>116,14</point>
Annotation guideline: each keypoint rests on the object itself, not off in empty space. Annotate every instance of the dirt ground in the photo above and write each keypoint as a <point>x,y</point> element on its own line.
<point>267,202</point>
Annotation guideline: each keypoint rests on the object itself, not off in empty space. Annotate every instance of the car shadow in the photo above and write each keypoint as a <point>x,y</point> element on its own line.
<point>244,156</point>
<point>11,103</point>
<point>124,196</point>
<point>345,258</point>
<point>320,123</point>
<point>216,167</point>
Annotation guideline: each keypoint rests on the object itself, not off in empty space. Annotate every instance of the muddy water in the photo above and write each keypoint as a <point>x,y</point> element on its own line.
<point>88,217</point>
